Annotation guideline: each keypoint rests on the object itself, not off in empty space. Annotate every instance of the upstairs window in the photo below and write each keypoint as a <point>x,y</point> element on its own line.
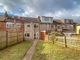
<point>35,26</point>
<point>9,25</point>
<point>59,27</point>
<point>52,26</point>
<point>18,25</point>
<point>28,25</point>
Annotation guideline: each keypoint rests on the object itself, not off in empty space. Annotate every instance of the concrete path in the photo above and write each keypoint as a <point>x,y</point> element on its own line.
<point>31,51</point>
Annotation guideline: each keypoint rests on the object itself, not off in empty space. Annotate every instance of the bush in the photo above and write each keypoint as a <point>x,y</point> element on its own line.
<point>53,36</point>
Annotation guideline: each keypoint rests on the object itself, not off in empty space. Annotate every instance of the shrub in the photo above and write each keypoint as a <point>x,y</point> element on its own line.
<point>53,36</point>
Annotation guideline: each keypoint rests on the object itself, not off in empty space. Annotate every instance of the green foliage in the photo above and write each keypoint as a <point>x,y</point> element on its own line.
<point>56,33</point>
<point>53,36</point>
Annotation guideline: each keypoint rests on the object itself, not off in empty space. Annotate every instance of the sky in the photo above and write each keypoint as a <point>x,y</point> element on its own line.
<point>33,8</point>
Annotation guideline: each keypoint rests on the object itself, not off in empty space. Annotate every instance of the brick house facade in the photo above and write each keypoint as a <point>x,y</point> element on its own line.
<point>31,28</point>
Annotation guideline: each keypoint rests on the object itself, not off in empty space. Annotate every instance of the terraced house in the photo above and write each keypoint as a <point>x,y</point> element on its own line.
<point>11,30</point>
<point>35,28</point>
<point>31,28</point>
<point>45,25</point>
<point>64,25</point>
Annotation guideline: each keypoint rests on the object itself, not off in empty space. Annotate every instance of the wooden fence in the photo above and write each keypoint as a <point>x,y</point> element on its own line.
<point>71,41</point>
<point>9,38</point>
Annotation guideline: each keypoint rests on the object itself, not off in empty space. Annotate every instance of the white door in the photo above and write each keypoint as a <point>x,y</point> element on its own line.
<point>36,35</point>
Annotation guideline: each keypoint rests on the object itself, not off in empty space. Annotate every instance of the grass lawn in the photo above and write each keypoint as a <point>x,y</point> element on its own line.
<point>48,51</point>
<point>15,52</point>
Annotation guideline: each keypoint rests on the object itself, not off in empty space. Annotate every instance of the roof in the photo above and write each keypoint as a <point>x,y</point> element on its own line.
<point>31,19</point>
<point>12,18</point>
<point>64,21</point>
<point>44,19</point>
<point>57,21</point>
<point>54,22</point>
<point>1,18</point>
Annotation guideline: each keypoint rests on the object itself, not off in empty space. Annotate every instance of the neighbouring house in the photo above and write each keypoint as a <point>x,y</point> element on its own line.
<point>12,24</point>
<point>2,23</point>
<point>78,29</point>
<point>11,30</point>
<point>46,26</point>
<point>31,28</point>
<point>64,25</point>
<point>36,28</point>
<point>46,23</point>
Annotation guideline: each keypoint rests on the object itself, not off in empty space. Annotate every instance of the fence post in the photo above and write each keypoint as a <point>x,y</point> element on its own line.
<point>17,36</point>
<point>23,31</point>
<point>65,41</point>
<point>6,38</point>
<point>23,36</point>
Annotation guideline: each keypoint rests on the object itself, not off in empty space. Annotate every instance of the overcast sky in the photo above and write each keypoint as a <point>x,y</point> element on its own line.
<point>54,8</point>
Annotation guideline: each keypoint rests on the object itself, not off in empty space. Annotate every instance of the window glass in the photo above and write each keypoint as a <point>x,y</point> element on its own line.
<point>35,25</point>
<point>18,25</point>
<point>9,25</point>
<point>28,35</point>
<point>28,25</point>
<point>25,34</point>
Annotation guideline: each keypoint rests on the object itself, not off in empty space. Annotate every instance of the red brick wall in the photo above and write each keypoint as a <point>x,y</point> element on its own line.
<point>2,25</point>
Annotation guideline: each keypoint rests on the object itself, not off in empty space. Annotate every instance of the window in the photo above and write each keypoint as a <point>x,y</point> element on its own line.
<point>35,26</point>
<point>63,26</point>
<point>28,35</point>
<point>52,26</point>
<point>59,27</point>
<point>9,25</point>
<point>28,25</point>
<point>34,34</point>
<point>18,25</point>
<point>25,34</point>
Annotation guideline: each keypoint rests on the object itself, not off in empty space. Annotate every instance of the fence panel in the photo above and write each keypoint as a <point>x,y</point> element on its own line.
<point>20,36</point>
<point>2,39</point>
<point>12,38</point>
<point>71,41</point>
<point>8,38</point>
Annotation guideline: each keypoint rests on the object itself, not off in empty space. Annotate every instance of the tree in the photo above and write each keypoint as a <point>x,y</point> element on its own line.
<point>53,36</point>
